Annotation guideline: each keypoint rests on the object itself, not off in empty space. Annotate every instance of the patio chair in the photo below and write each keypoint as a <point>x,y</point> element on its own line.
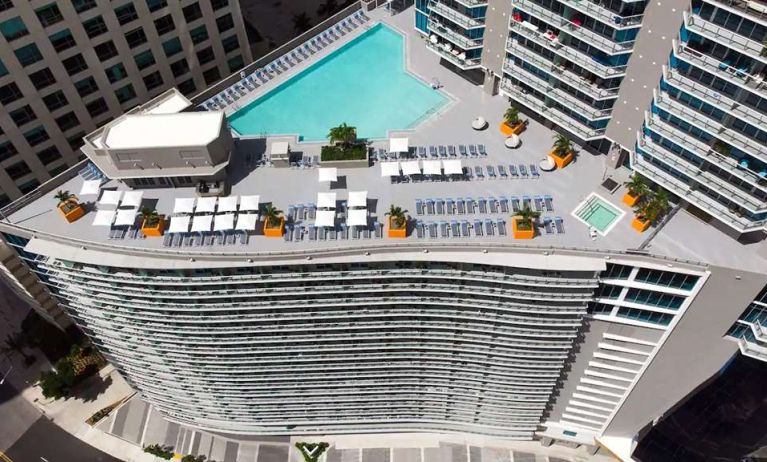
<point>489,228</point>
<point>522,171</point>
<point>478,172</point>
<point>332,234</point>
<point>538,201</point>
<point>478,228</point>
<point>166,240</point>
<point>527,202</point>
<point>502,172</point>
<point>473,150</point>
<point>451,151</point>
<point>534,171</point>
<point>482,204</point>
<point>443,229</point>
<point>433,152</point>
<point>501,227</point>
<point>432,230</point>
<point>312,211</point>
<point>513,171</point>
<point>482,151</point>
<point>493,205</point>
<point>461,206</point>
<point>312,233</point>
<point>418,207</point>
<point>177,239</point>
<point>442,151</point>
<point>465,228</point>
<point>547,225</point>
<point>421,152</point>
<point>450,207</point>
<point>469,205</point>
<point>462,150</point>
<point>419,230</point>
<point>440,206</point>
<point>504,204</point>
<point>560,224</point>
<point>344,232</point>
<point>467,173</point>
<point>549,202</point>
<point>378,227</point>
<point>515,204</point>
<point>323,233</point>
<point>301,212</point>
<point>429,206</point>
<point>455,228</point>
<point>298,233</point>
<point>491,172</point>
<point>288,236</point>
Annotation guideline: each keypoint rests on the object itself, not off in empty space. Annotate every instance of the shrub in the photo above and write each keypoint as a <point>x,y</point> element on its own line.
<point>354,152</point>
<point>58,383</point>
<point>191,458</point>
<point>311,451</point>
<point>163,452</point>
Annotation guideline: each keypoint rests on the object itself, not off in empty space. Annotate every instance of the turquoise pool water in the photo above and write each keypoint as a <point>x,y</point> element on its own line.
<point>598,213</point>
<point>363,83</point>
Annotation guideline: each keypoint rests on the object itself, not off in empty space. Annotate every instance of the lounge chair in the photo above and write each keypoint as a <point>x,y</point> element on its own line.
<point>298,233</point>
<point>312,211</point>
<point>473,150</point>
<point>478,172</point>
<point>429,206</point>
<point>491,171</point>
<point>513,171</point>
<point>455,228</point>
<point>450,207</point>
<point>515,204</point>
<point>559,223</point>
<point>366,233</point>
<point>527,202</point>
<point>433,152</point>
<point>538,201</point>
<point>482,203</point>
<point>502,172</point>
<point>461,206</point>
<point>493,205</point>
<point>419,230</point>
<point>422,152</point>
<point>432,230</point>
<point>489,228</point>
<point>547,225</point>
<point>534,171</point>
<point>467,173</point>
<point>355,232</point>
<point>166,240</point>
<point>312,233</point>
<point>378,226</point>
<point>418,207</point>
<point>462,150</point>
<point>442,151</point>
<point>451,151</point>
<point>344,231</point>
<point>501,227</point>
<point>323,233</point>
<point>482,151</point>
<point>504,203</point>
<point>440,206</point>
<point>522,171</point>
<point>549,202</point>
<point>478,228</point>
<point>332,234</point>
<point>443,229</point>
<point>469,205</point>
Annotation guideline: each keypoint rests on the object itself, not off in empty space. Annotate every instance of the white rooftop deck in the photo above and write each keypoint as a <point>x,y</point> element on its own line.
<point>160,130</point>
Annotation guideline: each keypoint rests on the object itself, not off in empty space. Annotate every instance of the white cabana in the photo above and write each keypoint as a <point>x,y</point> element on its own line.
<point>358,199</point>
<point>411,167</point>
<point>126,217</point>
<point>248,203</point>
<point>432,167</point>
<point>357,217</point>
<point>206,205</point>
<point>328,174</point>
<point>179,224</point>
<point>223,222</point>
<point>184,205</point>
<point>109,197</point>
<point>452,167</point>
<point>132,199</point>
<point>202,222</point>
<point>399,145</point>
<point>90,187</point>
<point>325,218</point>
<point>326,200</point>
<point>227,204</point>
<point>104,218</point>
<point>389,169</point>
<point>280,148</point>
<point>247,221</point>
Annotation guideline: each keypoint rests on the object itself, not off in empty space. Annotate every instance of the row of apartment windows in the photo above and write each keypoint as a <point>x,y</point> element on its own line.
<point>634,314</point>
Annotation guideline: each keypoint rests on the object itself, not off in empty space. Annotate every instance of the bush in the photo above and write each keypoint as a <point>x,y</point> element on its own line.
<point>163,452</point>
<point>191,458</point>
<point>315,449</point>
<point>354,152</point>
<point>59,382</point>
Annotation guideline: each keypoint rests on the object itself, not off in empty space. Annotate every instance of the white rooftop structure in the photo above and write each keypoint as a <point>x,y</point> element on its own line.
<point>206,205</point>
<point>132,198</point>
<point>247,221</point>
<point>90,187</point>
<point>326,200</point>
<point>411,167</point>
<point>104,218</point>
<point>358,199</point>
<point>248,203</point>
<point>174,103</point>
<point>432,167</point>
<point>125,217</point>
<point>110,197</point>
<point>164,130</point>
<point>398,145</point>
<point>224,222</point>
<point>325,218</point>
<point>453,167</point>
<point>179,224</point>
<point>357,217</point>
<point>227,204</point>
<point>389,169</point>
<point>202,223</point>
<point>328,174</point>
<point>184,205</point>
<point>280,148</point>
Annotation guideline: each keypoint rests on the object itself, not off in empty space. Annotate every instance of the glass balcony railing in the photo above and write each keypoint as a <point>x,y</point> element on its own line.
<point>720,69</point>
<point>454,37</point>
<point>724,36</point>
<point>456,57</point>
<point>604,15</point>
<point>467,22</point>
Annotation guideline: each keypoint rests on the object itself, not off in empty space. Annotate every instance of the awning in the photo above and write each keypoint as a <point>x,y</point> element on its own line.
<point>280,148</point>
<point>452,167</point>
<point>104,218</point>
<point>411,167</point>
<point>249,203</point>
<point>223,222</point>
<point>132,199</point>
<point>357,217</point>
<point>227,204</point>
<point>328,174</point>
<point>325,218</point>
<point>126,217</point>
<point>179,224</point>
<point>389,169</point>
<point>90,187</point>
<point>184,205</point>
<point>432,167</point>
<point>398,145</point>
<point>206,205</point>
<point>326,200</point>
<point>202,222</point>
<point>109,197</point>
<point>358,199</point>
<point>247,221</point>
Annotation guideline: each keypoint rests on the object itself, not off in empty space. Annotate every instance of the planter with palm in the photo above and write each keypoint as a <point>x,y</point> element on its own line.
<point>563,151</point>
<point>512,124</point>
<point>649,212</point>
<point>343,135</point>
<point>274,222</point>
<point>397,222</point>
<point>152,223</point>
<point>523,223</point>
<point>69,206</point>
<point>343,145</point>
<point>636,188</point>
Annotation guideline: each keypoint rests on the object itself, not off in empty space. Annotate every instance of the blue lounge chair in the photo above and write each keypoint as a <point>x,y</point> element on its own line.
<point>443,229</point>
<point>430,206</point>
<point>522,171</point>
<point>515,204</point>
<point>433,151</point>
<point>432,230</point>
<point>440,206</point>
<point>419,230</point>
<point>465,226</point>
<point>504,203</point>
<point>451,151</point>
<point>478,228</point>
<point>482,204</point>
<point>527,202</point>
<point>442,151</point>
<point>534,171</point>
<point>560,224</point>
<point>549,202</point>
<point>461,206</point>
<point>513,171</point>
<point>469,205</point>
<point>482,151</point>
<point>473,150</point>
<point>455,229</point>
<point>450,206</point>
<point>547,225</point>
<point>502,172</point>
<point>501,227</point>
<point>478,172</point>
<point>462,150</point>
<point>418,207</point>
<point>489,228</point>
<point>493,205</point>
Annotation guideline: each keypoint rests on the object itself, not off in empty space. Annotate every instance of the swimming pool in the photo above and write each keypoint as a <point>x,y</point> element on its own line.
<point>597,212</point>
<point>364,83</point>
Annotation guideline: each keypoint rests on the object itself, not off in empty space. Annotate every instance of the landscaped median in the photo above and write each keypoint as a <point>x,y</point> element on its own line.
<point>344,150</point>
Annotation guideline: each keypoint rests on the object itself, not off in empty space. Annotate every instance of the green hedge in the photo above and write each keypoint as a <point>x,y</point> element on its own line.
<point>356,152</point>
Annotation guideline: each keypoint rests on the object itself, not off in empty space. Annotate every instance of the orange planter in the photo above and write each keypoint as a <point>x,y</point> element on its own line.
<point>561,161</point>
<point>155,230</point>
<point>396,232</point>
<point>521,233</point>
<point>72,210</point>
<point>630,199</point>
<point>640,224</point>
<point>509,130</point>
<point>274,231</point>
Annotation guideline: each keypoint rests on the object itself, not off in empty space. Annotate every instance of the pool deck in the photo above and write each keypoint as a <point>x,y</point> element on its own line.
<point>684,236</point>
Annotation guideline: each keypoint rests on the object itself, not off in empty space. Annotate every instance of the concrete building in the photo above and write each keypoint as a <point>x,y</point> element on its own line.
<point>69,67</point>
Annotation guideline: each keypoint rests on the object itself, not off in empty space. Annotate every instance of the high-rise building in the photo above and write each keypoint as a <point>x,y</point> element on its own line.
<point>68,67</point>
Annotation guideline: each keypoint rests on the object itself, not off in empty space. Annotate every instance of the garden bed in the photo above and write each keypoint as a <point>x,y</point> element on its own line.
<point>358,152</point>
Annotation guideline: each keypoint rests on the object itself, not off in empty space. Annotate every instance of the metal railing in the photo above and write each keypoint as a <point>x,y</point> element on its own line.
<point>467,22</point>
<point>723,35</point>
<point>605,15</point>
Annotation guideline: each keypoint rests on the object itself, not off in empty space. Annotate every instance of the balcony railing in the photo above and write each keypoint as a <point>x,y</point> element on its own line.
<point>456,38</point>
<point>463,63</point>
<point>756,9</point>
<point>724,36</point>
<point>601,13</point>
<point>467,22</point>
<point>720,69</point>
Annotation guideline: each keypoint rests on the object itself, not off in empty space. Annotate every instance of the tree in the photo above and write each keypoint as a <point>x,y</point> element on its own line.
<point>301,23</point>
<point>562,145</point>
<point>511,116</point>
<point>63,196</point>
<point>271,214</point>
<point>327,8</point>
<point>149,217</point>
<point>163,452</point>
<point>636,186</point>
<point>58,383</point>
<point>397,215</point>
<point>15,343</point>
<point>526,217</point>
<point>343,134</point>
<point>191,458</point>
<point>653,209</point>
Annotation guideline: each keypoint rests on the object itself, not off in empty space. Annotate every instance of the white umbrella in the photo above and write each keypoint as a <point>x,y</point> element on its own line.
<point>358,199</point>
<point>432,167</point>
<point>547,164</point>
<point>227,204</point>
<point>326,200</point>
<point>325,218</point>
<point>110,197</point>
<point>104,218</point>
<point>328,174</point>
<point>132,199</point>
<point>390,169</point>
<point>479,123</point>
<point>280,148</point>
<point>462,56</point>
<point>448,46</point>
<point>433,39</point>
<point>90,187</point>
<point>247,221</point>
<point>179,224</point>
<point>357,217</point>
<point>411,167</point>
<point>223,222</point>
<point>513,141</point>
<point>206,205</point>
<point>184,205</point>
<point>452,167</point>
<point>125,217</point>
<point>248,203</point>
<point>398,145</point>
<point>202,222</point>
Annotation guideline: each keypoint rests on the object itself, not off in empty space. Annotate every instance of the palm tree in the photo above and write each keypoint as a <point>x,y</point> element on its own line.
<point>149,217</point>
<point>14,343</point>
<point>636,185</point>
<point>397,215</point>
<point>526,217</point>
<point>301,23</point>
<point>63,196</point>
<point>272,215</point>
<point>511,116</point>
<point>653,209</point>
<point>343,134</point>
<point>562,145</point>
<point>327,8</point>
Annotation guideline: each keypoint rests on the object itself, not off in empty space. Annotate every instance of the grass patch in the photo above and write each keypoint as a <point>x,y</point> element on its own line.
<point>355,152</point>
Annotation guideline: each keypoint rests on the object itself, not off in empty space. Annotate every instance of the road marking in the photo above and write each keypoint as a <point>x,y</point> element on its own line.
<point>4,458</point>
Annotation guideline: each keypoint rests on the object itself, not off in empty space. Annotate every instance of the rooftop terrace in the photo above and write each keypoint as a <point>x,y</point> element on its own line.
<point>684,237</point>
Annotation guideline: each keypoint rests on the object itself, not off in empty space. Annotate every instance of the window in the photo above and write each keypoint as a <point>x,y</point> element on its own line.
<point>667,278</point>
<point>135,37</point>
<point>76,141</point>
<point>224,23</point>
<point>218,4</point>
<point>187,87</point>
<point>28,54</point>
<point>3,69</point>
<point>10,93</point>
<point>192,12</point>
<point>13,29</point>
<point>62,40</point>
<point>42,78</point>
<point>206,55</point>
<point>211,75</point>
<point>58,169</point>
<point>615,271</point>
<point>95,26</point>
<point>83,5</point>
<point>86,86</point>
<point>23,115</point>
<point>55,100</point>
<point>36,136</point>
<point>144,59</point>
<point>171,47</point>
<point>29,186</point>
<point>164,24</point>
<point>230,43</point>
<point>651,317</point>
<point>115,73</point>
<point>153,80</point>
<point>179,68</point>
<point>49,155</point>
<point>97,107</point>
<point>155,5</point>
<point>105,50</point>
<point>18,170</point>
<point>7,150</point>
<point>126,13</point>
<point>6,5</point>
<point>67,121</point>
<point>75,64</point>
<point>236,63</point>
<point>49,14</point>
<point>125,94</point>
<point>652,298</point>
<point>199,34</point>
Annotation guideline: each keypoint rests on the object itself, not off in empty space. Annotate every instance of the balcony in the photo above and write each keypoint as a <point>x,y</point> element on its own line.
<point>456,17</point>
<point>720,69</point>
<point>459,60</point>
<point>754,9</point>
<point>751,350</point>
<point>454,37</point>
<point>600,13</point>
<point>724,36</point>
<point>472,3</point>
